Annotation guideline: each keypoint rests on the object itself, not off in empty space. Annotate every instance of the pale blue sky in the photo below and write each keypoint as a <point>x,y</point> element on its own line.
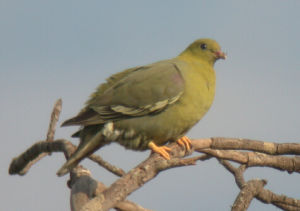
<point>64,49</point>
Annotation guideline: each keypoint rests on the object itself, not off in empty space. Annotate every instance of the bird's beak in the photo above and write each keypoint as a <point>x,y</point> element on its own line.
<point>220,55</point>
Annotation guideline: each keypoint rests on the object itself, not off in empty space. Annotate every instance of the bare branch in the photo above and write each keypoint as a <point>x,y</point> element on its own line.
<point>84,188</point>
<point>247,193</point>
<point>254,189</point>
<point>61,145</point>
<point>237,172</point>
<point>89,194</point>
<point>53,120</point>
<point>248,144</point>
<point>283,163</point>
<point>113,169</point>
<point>50,134</point>
<point>281,201</point>
<point>137,177</point>
<point>19,163</point>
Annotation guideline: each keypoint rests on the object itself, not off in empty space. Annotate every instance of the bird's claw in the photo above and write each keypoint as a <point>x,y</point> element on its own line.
<point>185,142</point>
<point>163,150</point>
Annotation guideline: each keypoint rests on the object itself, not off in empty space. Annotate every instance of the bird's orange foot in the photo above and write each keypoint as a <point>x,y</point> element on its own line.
<point>163,150</point>
<point>185,142</point>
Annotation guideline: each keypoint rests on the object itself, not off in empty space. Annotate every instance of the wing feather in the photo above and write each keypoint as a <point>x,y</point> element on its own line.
<point>135,92</point>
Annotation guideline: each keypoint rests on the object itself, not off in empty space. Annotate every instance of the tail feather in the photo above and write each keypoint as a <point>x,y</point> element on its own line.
<point>85,149</point>
<point>76,134</point>
<point>85,117</point>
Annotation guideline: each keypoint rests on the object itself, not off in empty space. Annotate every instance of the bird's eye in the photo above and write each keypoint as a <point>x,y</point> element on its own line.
<point>203,46</point>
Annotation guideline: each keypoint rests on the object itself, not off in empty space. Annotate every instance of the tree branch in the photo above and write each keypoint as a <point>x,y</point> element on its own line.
<point>111,168</point>
<point>50,134</point>
<point>247,193</point>
<point>40,148</point>
<point>248,144</point>
<point>254,188</point>
<point>289,164</point>
<point>84,188</point>
<point>89,194</point>
<point>137,177</point>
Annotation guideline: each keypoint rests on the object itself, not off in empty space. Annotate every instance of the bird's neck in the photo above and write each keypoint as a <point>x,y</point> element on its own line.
<point>197,67</point>
<point>191,59</point>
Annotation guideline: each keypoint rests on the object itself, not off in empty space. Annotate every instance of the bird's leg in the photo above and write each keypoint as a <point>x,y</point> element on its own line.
<point>184,142</point>
<point>163,150</point>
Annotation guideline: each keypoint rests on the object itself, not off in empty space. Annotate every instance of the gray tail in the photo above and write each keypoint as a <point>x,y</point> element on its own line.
<point>84,149</point>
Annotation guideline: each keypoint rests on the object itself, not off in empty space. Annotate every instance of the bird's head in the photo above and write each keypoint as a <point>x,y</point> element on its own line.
<point>204,49</point>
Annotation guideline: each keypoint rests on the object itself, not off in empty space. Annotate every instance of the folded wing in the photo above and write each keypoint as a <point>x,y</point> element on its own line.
<point>140,91</point>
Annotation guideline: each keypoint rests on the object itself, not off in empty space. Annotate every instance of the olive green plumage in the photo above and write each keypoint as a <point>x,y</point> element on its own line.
<point>159,102</point>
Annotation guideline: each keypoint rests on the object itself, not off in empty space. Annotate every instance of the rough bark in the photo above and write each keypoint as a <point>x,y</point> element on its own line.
<point>87,194</point>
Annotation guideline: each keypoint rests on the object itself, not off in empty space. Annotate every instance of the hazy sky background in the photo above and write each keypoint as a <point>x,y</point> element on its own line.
<point>64,49</point>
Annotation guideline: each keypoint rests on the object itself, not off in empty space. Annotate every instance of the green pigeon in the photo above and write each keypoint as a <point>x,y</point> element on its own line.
<point>147,106</point>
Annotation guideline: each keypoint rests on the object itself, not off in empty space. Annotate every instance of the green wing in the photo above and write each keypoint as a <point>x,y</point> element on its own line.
<point>135,92</point>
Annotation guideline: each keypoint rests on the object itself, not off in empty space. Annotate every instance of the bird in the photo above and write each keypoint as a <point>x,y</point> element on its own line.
<point>147,106</point>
